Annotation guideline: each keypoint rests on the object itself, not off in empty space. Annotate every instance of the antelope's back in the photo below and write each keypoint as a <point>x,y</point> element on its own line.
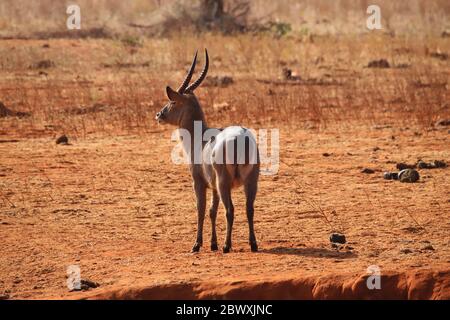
<point>235,146</point>
<point>233,149</point>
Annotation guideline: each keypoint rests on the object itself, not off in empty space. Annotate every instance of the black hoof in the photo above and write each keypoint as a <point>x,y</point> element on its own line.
<point>196,247</point>
<point>214,247</point>
<point>226,249</point>
<point>254,247</point>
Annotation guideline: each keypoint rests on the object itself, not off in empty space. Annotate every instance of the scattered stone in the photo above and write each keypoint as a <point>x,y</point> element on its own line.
<point>97,107</point>
<point>46,45</point>
<point>422,165</point>
<point>4,296</point>
<point>337,238</point>
<point>403,166</point>
<point>439,164</point>
<point>408,176</point>
<point>367,170</point>
<point>431,165</point>
<point>6,112</point>
<point>376,149</point>
<point>428,247</point>
<point>413,229</point>
<point>443,123</point>
<point>219,81</point>
<point>390,175</point>
<point>17,280</point>
<point>445,34</point>
<point>288,75</point>
<point>439,55</point>
<point>126,65</point>
<point>43,64</point>
<point>382,63</point>
<point>88,284</point>
<point>221,106</point>
<point>326,154</point>
<point>403,66</point>
<point>62,140</point>
<point>85,285</point>
<point>406,251</point>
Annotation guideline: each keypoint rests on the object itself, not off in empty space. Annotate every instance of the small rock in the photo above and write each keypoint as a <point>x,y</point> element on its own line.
<point>408,176</point>
<point>443,123</point>
<point>326,154</point>
<point>43,64</point>
<point>376,149</point>
<point>382,63</point>
<point>6,112</point>
<point>337,238</point>
<point>221,106</point>
<point>431,165</point>
<point>413,229</point>
<point>367,170</point>
<point>403,166</point>
<point>439,55</point>
<point>439,164</point>
<point>86,285</point>
<point>406,251</point>
<point>428,247</point>
<point>17,280</point>
<point>4,296</point>
<point>390,175</point>
<point>422,165</point>
<point>62,140</point>
<point>403,66</point>
<point>289,75</point>
<point>219,81</point>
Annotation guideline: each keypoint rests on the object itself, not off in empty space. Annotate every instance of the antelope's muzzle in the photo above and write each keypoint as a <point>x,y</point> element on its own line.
<point>160,116</point>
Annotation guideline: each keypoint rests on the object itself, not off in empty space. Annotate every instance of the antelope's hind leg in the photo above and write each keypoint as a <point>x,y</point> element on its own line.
<point>224,188</point>
<point>250,190</point>
<point>200,193</point>
<point>213,216</point>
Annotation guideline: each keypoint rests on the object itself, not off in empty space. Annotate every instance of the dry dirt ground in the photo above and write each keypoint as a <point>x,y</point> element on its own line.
<point>115,205</point>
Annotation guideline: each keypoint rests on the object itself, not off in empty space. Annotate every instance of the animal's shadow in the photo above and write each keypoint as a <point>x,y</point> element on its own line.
<point>310,252</point>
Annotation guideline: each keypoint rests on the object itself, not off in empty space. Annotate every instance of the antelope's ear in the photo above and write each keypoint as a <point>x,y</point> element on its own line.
<point>173,95</point>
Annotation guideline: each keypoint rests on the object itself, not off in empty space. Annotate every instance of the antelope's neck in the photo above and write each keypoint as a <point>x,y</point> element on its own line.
<point>193,143</point>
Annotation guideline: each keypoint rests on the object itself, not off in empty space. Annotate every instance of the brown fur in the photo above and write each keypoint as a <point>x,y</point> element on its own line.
<point>182,110</point>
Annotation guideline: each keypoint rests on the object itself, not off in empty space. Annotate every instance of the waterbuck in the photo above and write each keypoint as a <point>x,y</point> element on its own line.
<point>229,158</point>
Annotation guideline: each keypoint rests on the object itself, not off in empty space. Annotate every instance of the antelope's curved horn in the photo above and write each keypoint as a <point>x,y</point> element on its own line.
<point>197,82</point>
<point>188,78</point>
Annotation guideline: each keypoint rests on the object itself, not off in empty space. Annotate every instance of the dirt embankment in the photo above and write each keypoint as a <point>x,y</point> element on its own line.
<point>423,284</point>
